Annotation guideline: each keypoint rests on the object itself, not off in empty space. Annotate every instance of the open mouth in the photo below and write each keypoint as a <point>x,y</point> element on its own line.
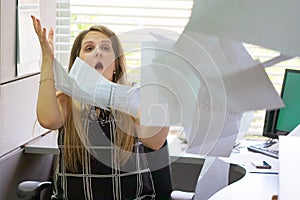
<point>98,66</point>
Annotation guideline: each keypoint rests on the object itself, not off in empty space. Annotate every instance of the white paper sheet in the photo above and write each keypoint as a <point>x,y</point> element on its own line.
<point>233,80</point>
<point>212,178</point>
<point>272,24</point>
<point>168,79</point>
<point>231,83</point>
<point>213,133</point>
<point>87,85</point>
<point>207,82</point>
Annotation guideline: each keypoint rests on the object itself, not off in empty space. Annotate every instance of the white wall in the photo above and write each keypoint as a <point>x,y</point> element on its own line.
<point>17,96</point>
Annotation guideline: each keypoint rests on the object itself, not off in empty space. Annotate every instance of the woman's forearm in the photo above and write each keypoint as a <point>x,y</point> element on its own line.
<point>48,111</point>
<point>153,137</point>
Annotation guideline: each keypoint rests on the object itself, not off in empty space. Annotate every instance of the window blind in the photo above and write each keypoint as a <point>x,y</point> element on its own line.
<point>62,31</point>
<point>123,16</point>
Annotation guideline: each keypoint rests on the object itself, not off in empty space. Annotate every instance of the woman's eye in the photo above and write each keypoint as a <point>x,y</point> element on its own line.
<point>89,49</point>
<point>105,48</point>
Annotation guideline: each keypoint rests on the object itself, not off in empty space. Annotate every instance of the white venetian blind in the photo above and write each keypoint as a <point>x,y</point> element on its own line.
<point>62,38</point>
<point>123,16</point>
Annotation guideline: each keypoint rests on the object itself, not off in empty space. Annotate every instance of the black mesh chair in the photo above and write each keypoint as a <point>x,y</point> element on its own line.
<point>31,190</point>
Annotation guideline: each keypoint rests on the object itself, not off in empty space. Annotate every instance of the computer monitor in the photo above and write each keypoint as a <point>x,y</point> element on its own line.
<point>284,120</point>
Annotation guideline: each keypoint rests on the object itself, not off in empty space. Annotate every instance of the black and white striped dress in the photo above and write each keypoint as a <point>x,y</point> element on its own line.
<point>102,178</point>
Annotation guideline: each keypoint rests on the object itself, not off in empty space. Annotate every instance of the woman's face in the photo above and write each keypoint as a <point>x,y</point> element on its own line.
<point>96,50</point>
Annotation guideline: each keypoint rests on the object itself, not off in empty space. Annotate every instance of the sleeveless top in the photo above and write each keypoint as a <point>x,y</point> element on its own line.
<point>102,177</point>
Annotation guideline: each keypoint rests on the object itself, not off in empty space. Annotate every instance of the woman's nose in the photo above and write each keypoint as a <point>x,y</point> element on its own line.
<point>98,52</point>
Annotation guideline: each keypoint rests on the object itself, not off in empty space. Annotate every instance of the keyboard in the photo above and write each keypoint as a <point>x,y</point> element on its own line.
<point>268,148</point>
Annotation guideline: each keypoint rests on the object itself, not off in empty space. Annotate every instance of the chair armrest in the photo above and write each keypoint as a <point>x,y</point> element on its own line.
<point>31,190</point>
<point>180,195</point>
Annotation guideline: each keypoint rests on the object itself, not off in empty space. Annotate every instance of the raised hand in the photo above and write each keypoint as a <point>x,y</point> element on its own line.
<point>46,43</point>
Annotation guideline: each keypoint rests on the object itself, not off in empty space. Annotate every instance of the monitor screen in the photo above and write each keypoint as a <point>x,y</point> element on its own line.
<point>284,120</point>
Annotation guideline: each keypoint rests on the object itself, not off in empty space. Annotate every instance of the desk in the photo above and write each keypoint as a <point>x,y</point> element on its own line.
<point>251,186</point>
<point>45,144</point>
<point>256,184</point>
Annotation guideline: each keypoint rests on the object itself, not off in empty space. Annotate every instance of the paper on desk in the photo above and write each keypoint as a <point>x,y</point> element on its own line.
<point>289,167</point>
<point>212,178</point>
<point>273,24</point>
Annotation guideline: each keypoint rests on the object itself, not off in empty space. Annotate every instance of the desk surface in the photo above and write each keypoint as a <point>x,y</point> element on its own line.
<point>257,184</point>
<point>46,144</point>
<point>251,186</point>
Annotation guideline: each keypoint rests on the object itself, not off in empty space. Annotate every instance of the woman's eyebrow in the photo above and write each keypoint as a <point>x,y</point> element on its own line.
<point>106,41</point>
<point>87,42</point>
<point>92,42</point>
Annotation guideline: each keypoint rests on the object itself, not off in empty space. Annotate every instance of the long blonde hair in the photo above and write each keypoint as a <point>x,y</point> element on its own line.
<point>75,129</point>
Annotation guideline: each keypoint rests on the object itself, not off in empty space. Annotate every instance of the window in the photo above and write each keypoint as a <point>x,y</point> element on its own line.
<point>62,31</point>
<point>122,16</point>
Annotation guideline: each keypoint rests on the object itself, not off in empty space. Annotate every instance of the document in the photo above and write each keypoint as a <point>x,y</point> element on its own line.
<point>231,83</point>
<point>232,79</point>
<point>208,83</point>
<point>167,79</point>
<point>85,84</point>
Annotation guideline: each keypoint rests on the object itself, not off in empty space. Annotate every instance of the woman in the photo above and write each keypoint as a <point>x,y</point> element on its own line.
<point>101,150</point>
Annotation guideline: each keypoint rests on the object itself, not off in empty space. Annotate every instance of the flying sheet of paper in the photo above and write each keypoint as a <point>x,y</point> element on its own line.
<point>273,24</point>
<point>168,79</point>
<point>87,85</point>
<point>232,78</point>
<point>208,83</point>
<point>231,83</point>
<point>213,133</point>
<point>212,178</point>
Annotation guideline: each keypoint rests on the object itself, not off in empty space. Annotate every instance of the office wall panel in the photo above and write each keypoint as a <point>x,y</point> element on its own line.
<point>17,111</point>
<point>18,95</point>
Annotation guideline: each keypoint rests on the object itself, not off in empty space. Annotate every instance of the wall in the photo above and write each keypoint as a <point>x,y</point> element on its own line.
<point>18,97</point>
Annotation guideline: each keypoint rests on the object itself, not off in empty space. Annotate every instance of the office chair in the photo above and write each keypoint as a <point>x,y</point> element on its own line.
<point>31,190</point>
